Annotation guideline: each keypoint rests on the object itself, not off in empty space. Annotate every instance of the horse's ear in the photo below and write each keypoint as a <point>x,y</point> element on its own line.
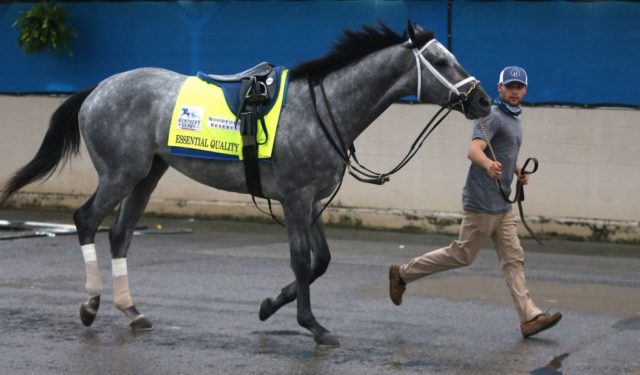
<point>414,29</point>
<point>410,30</point>
<point>418,36</point>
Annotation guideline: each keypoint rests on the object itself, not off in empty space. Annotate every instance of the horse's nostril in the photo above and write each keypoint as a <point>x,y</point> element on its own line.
<point>484,102</point>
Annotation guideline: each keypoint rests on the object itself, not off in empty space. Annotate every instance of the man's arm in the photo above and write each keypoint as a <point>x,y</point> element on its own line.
<point>477,156</point>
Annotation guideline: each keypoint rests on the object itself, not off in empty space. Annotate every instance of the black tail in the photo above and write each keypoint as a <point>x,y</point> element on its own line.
<point>60,143</point>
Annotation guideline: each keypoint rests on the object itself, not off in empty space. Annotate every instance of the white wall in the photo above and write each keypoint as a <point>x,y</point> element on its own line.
<point>588,177</point>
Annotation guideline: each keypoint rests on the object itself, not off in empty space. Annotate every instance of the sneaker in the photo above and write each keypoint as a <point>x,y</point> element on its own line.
<point>397,286</point>
<point>539,324</point>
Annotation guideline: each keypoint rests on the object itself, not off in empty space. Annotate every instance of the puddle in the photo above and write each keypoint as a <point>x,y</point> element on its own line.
<point>552,367</point>
<point>282,333</point>
<point>629,324</point>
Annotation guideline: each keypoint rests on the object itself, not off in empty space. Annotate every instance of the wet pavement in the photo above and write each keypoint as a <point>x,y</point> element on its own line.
<point>202,290</point>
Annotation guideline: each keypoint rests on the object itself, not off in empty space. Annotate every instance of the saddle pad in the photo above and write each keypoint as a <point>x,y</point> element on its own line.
<point>203,126</point>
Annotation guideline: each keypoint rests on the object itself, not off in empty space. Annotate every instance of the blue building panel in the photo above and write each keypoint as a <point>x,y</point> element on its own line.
<point>582,53</point>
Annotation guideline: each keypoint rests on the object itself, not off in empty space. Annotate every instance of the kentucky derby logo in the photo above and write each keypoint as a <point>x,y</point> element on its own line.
<point>190,118</point>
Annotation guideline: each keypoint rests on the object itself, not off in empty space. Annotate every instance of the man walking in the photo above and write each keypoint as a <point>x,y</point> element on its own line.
<point>487,214</point>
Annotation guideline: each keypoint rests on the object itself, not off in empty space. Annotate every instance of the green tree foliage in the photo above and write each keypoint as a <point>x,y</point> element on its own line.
<point>44,26</point>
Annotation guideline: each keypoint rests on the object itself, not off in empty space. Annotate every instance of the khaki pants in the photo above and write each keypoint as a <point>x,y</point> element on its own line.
<point>476,229</point>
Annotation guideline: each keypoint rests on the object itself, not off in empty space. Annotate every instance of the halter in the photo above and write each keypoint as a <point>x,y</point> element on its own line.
<point>453,89</point>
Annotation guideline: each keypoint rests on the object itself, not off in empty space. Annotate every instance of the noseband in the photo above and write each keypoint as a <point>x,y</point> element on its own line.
<point>456,97</point>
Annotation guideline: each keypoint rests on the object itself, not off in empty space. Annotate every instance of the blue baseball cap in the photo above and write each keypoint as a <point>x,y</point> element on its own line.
<point>513,74</point>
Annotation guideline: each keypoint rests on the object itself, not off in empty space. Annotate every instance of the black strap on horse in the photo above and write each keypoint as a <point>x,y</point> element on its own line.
<point>254,97</point>
<point>519,196</point>
<point>357,170</point>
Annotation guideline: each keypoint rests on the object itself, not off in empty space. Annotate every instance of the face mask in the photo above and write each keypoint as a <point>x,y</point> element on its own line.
<point>506,108</point>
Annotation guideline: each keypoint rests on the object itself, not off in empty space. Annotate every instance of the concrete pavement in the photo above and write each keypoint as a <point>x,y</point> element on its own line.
<point>202,292</point>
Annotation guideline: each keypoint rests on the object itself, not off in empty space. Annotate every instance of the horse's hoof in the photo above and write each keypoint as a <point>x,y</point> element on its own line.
<point>327,340</point>
<point>141,324</point>
<point>89,310</point>
<point>265,309</point>
<point>87,314</point>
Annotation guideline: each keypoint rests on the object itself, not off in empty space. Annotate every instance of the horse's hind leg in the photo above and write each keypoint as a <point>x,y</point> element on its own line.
<point>319,264</point>
<point>89,309</point>
<point>120,236</point>
<point>87,218</point>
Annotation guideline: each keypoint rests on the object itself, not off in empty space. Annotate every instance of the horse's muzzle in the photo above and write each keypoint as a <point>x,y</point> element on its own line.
<point>474,105</point>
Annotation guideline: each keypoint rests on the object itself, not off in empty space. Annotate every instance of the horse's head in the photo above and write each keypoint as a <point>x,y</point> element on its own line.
<point>442,80</point>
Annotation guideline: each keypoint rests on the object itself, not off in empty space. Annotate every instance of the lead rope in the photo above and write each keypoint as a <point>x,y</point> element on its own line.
<point>519,196</point>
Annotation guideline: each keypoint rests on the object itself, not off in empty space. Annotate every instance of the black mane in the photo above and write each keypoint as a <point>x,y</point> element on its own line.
<point>350,47</point>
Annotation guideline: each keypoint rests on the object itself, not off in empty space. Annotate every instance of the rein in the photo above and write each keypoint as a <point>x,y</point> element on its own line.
<point>356,169</point>
<point>364,174</point>
<point>359,171</point>
<point>519,195</point>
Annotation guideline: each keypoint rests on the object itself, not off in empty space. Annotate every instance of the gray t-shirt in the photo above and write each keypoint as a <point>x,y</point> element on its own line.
<point>480,193</point>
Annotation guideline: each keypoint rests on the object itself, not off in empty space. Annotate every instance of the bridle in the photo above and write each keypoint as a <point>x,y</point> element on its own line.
<point>364,174</point>
<point>453,89</point>
<point>456,98</point>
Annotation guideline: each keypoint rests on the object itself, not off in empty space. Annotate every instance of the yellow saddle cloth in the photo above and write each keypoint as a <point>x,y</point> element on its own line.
<point>203,126</point>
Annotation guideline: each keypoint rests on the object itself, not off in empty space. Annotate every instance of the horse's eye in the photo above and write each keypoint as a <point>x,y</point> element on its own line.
<point>441,63</point>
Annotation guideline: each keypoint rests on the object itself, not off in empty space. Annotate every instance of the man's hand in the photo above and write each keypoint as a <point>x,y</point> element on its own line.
<point>494,169</point>
<point>477,156</point>
<point>523,179</point>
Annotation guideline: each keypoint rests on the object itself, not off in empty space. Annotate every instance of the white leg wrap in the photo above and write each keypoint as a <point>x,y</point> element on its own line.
<point>94,283</point>
<point>121,296</point>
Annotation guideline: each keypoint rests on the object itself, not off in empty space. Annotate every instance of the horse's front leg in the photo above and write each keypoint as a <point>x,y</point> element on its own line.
<point>321,257</point>
<point>298,218</point>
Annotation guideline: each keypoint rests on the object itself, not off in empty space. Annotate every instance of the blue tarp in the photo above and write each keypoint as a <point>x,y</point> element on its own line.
<point>217,37</point>
<point>576,52</point>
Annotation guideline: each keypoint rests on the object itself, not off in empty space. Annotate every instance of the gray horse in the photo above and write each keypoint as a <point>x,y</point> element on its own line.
<point>125,124</point>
